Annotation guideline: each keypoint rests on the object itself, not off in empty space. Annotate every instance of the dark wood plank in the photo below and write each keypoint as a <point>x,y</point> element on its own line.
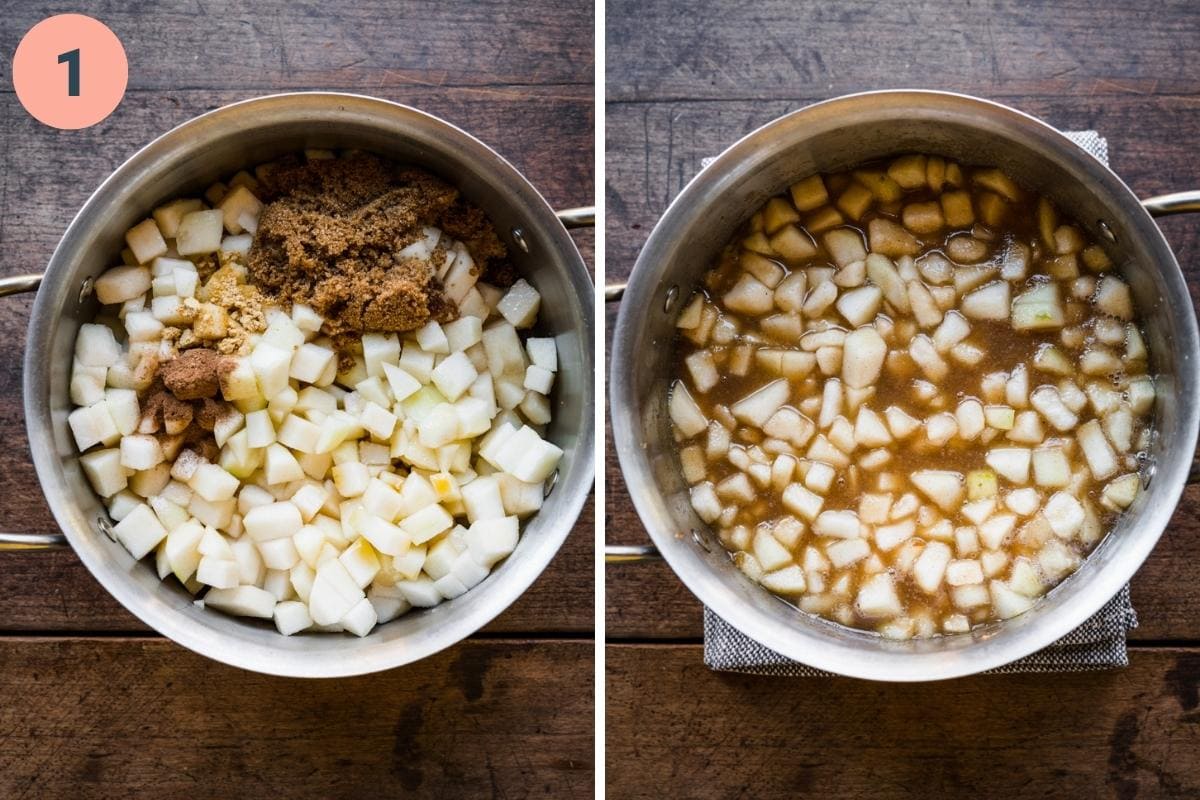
<point>53,591</point>
<point>370,46</point>
<point>773,49</point>
<point>84,717</point>
<point>675,729</point>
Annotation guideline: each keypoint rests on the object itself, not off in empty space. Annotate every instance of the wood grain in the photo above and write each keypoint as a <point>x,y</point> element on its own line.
<point>98,718</point>
<point>676,729</point>
<point>778,49</point>
<point>369,46</point>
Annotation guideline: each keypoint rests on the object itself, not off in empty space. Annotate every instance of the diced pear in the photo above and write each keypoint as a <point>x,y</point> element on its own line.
<point>769,552</point>
<point>900,423</point>
<point>1101,459</point>
<point>334,592</point>
<point>749,296</point>
<point>1024,579</point>
<point>963,572</point>
<point>845,246</point>
<point>930,567</point>
<point>926,356</point>
<point>801,501</point>
<point>140,531</point>
<point>199,232</point>
<point>1051,467</point>
<point>1038,308</point>
<point>870,430</point>
<point>273,521</point>
<point>859,306</point>
<point>520,304</point>
<point>789,581</point>
<point>685,413</point>
<point>1065,514</point>
<point>1120,492</point>
<point>757,407</point>
<point>995,530</point>
<point>1001,418</point>
<point>104,471</point>
<point>952,330</point>
<point>1056,560</point>
<point>1011,463</point>
<point>877,598</point>
<point>863,354</point>
<point>242,601</point>
<point>988,302</point>
<point>845,552</point>
<point>888,537</point>
<point>837,524</point>
<point>945,488</point>
<point>1113,298</point>
<point>890,239</point>
<point>882,272</point>
<point>1006,602</point>
<point>809,193</point>
<point>1049,403</point>
<point>970,418</point>
<point>1141,395</point>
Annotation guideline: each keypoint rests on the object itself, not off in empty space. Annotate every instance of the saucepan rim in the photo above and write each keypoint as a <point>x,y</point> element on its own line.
<point>249,652</point>
<point>719,179</point>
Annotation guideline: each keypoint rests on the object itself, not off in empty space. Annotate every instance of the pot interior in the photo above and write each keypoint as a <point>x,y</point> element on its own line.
<point>185,162</point>
<point>837,135</point>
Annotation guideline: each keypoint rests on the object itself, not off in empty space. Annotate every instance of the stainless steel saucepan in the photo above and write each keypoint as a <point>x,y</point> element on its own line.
<point>832,136</point>
<point>185,161</point>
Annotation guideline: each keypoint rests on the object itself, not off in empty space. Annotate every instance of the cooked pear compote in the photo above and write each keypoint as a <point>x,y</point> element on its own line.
<point>911,397</point>
<point>291,461</point>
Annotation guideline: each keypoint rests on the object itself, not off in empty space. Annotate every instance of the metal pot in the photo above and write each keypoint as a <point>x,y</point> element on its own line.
<point>185,161</point>
<point>835,135</point>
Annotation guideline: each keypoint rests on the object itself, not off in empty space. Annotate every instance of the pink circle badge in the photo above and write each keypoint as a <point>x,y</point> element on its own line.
<point>70,71</point>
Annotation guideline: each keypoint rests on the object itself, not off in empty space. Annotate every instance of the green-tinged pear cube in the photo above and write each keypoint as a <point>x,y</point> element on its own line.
<point>809,193</point>
<point>1120,492</point>
<point>981,483</point>
<point>1039,308</point>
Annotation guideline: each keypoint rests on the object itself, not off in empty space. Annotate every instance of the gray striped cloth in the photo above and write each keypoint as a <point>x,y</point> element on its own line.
<point>1097,644</point>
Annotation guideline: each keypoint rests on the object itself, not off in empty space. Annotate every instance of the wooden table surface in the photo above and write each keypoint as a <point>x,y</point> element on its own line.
<point>685,80</point>
<point>93,703</point>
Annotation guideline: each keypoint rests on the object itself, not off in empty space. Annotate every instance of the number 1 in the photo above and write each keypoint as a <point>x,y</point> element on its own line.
<point>71,59</point>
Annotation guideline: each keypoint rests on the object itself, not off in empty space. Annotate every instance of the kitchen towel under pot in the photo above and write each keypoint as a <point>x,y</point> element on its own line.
<point>1097,644</point>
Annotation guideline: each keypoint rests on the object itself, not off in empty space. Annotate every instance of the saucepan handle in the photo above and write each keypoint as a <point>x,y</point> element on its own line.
<point>1175,203</point>
<point>625,553</point>
<point>19,284</point>
<point>582,217</point>
<point>1162,206</point>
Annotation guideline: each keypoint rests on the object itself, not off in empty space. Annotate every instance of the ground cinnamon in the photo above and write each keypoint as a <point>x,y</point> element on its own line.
<point>183,405</point>
<point>192,374</point>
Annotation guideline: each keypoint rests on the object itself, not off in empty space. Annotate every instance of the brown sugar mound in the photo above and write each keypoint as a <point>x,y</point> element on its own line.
<point>331,230</point>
